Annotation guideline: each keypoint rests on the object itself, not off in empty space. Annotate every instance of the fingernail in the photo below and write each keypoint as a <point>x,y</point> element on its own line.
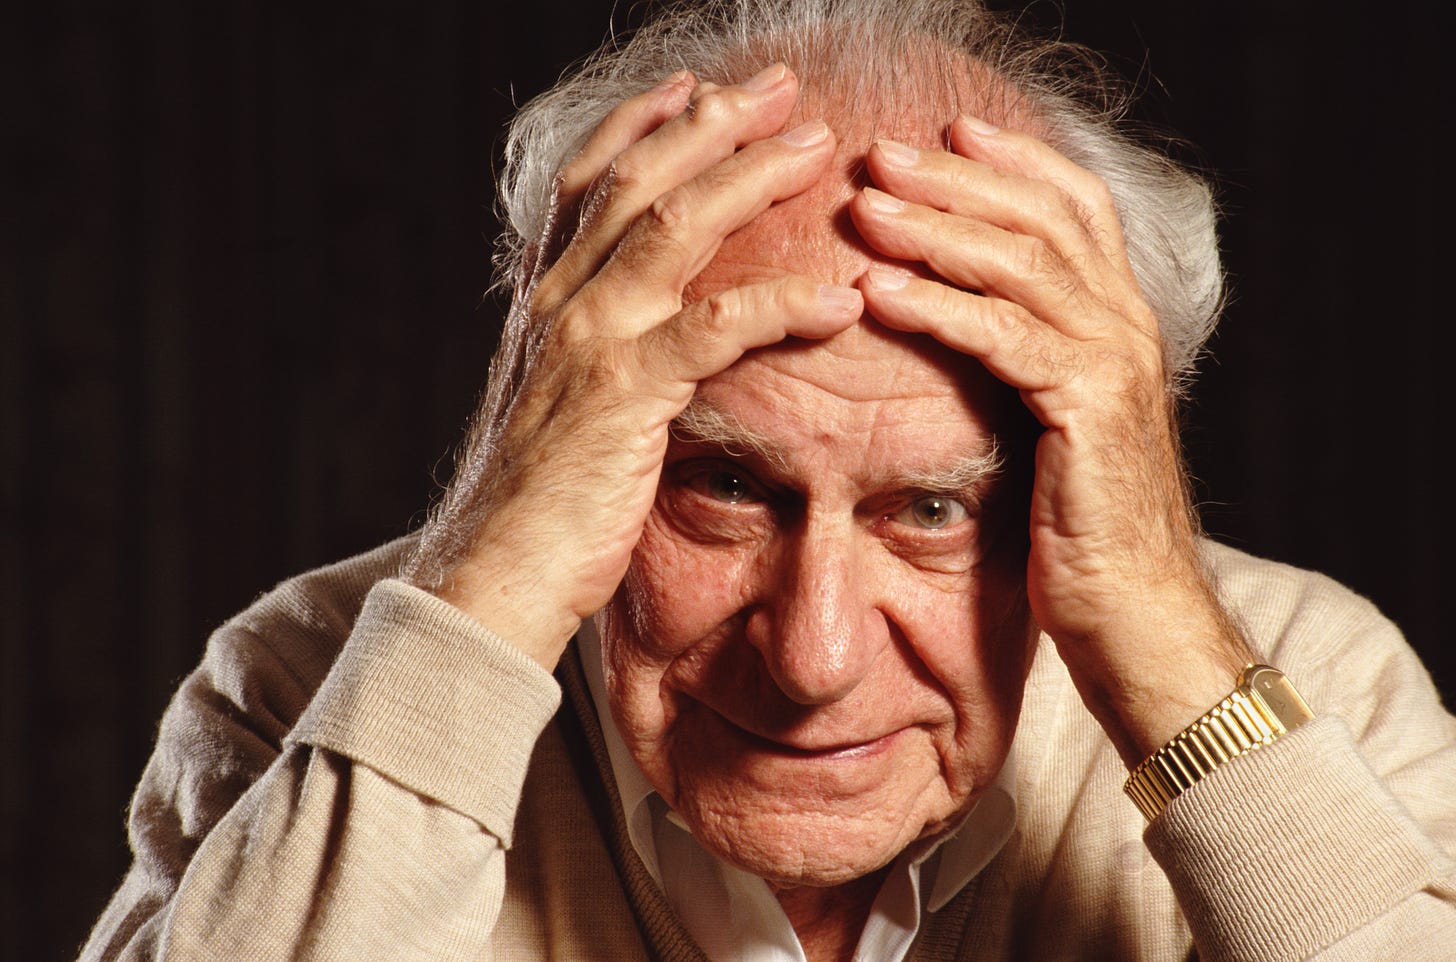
<point>979,126</point>
<point>884,279</point>
<point>839,300</point>
<point>882,201</point>
<point>898,153</point>
<point>806,134</point>
<point>767,78</point>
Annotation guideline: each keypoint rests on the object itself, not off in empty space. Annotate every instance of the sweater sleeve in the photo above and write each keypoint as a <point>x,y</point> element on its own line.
<point>308,800</point>
<point>1338,842</point>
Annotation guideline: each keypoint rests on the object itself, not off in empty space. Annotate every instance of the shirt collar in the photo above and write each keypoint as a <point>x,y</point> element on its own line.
<point>632,786</point>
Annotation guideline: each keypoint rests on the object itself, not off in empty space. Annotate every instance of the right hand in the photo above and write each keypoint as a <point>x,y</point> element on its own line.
<point>540,525</point>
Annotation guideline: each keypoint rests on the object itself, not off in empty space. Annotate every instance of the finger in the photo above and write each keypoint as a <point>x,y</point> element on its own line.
<point>678,235</point>
<point>1015,152</point>
<point>707,336</point>
<point>974,254</point>
<point>625,125</point>
<point>718,122</point>
<point>1005,337</point>
<point>715,122</point>
<point>969,188</point>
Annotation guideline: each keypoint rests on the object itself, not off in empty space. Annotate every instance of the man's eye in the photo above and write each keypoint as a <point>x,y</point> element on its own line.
<point>724,486</point>
<point>932,511</point>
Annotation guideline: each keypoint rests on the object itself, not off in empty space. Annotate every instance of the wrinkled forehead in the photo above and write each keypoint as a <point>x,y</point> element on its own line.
<point>806,234</point>
<point>892,374</point>
<point>867,380</point>
<point>812,234</point>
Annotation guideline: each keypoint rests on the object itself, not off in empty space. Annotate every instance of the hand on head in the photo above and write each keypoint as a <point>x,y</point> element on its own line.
<point>539,530</point>
<point>691,230</point>
<point>1032,278</point>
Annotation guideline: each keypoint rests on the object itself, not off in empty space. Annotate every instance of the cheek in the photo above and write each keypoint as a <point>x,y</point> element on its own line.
<point>677,603</point>
<point>974,641</point>
<point>678,592</point>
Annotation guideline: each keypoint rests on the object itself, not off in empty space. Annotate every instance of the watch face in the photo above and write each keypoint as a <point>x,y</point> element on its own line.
<point>1278,696</point>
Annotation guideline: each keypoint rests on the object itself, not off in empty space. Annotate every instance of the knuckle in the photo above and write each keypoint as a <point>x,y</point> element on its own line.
<point>703,88</point>
<point>571,324</point>
<point>720,314</point>
<point>1146,355</point>
<point>1099,193</point>
<point>624,175</point>
<point>1034,257</point>
<point>1006,320</point>
<point>546,296</point>
<point>712,107</point>
<point>672,212</point>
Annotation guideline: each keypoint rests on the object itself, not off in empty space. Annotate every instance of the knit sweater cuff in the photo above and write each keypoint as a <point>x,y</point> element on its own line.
<point>431,699</point>
<point>1286,850</point>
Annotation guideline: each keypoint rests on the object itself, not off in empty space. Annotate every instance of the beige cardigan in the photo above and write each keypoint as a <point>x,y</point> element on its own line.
<point>357,771</point>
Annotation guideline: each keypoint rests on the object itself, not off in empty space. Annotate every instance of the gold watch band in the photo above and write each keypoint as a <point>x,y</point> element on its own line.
<point>1262,708</point>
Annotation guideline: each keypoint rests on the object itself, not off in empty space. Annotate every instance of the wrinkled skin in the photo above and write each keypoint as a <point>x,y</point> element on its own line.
<point>801,665</point>
<point>812,660</point>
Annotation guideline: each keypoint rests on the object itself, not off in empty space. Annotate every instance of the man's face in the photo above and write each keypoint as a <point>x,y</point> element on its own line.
<point>819,650</point>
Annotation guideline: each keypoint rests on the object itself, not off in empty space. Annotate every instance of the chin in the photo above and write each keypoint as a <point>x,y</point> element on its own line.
<point>817,859</point>
<point>788,846</point>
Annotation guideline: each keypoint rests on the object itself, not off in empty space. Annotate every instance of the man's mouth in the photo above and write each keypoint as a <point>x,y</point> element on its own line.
<point>804,748</point>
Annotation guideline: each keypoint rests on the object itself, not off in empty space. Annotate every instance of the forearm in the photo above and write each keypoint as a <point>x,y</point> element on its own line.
<point>1177,655</point>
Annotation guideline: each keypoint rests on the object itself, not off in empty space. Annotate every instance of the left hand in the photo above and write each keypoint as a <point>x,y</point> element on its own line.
<point>1037,286</point>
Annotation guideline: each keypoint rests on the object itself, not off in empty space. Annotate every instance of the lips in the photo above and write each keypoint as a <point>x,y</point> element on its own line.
<point>799,747</point>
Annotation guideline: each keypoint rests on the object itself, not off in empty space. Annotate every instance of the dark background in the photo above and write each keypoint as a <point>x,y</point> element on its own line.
<point>243,252</point>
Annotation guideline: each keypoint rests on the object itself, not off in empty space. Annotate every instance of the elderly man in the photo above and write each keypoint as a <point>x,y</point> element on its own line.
<point>830,462</point>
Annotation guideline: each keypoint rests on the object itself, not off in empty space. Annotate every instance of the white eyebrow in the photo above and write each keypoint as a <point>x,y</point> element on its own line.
<point>966,478</point>
<point>703,422</point>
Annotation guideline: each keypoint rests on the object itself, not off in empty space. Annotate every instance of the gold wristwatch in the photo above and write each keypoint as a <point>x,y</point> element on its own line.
<point>1262,708</point>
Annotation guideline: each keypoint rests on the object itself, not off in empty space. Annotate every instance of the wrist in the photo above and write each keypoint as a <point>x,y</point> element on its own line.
<point>1263,707</point>
<point>1159,675</point>
<point>511,604</point>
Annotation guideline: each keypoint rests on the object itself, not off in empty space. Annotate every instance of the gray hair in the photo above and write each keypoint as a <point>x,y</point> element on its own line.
<point>883,65</point>
<point>869,52</point>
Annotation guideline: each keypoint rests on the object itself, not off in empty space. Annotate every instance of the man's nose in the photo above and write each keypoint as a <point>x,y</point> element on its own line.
<point>819,627</point>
